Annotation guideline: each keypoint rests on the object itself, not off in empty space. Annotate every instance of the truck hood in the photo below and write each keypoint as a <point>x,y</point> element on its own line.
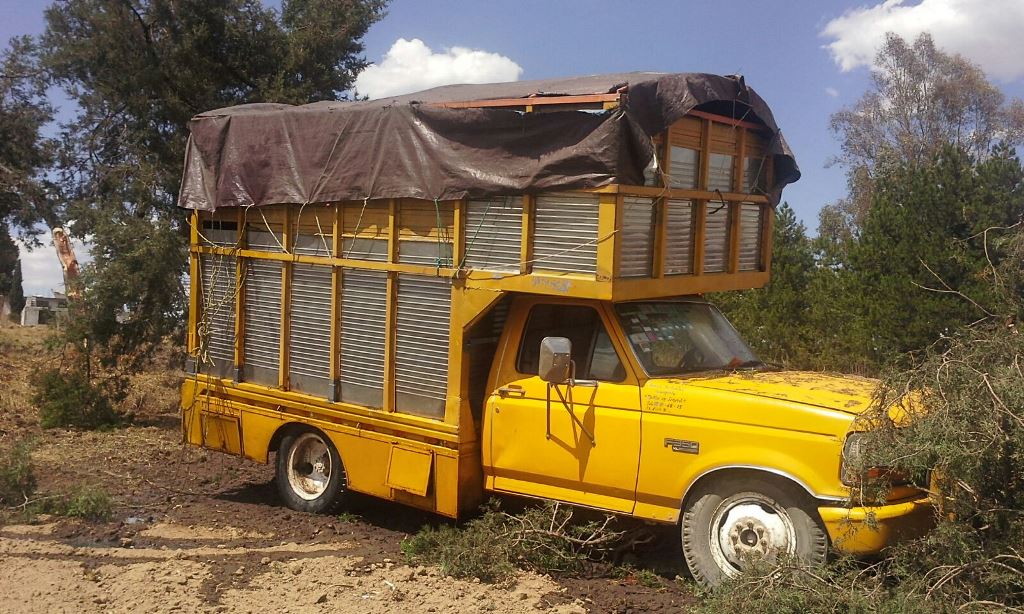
<point>846,393</point>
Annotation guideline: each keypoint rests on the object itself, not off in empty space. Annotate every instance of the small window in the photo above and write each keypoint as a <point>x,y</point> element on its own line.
<point>592,348</point>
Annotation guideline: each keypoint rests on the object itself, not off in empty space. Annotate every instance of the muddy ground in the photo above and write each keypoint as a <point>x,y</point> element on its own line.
<point>197,531</point>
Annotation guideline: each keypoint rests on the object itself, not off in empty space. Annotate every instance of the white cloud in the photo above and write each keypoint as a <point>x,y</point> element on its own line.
<point>831,91</point>
<point>41,273</point>
<point>987,32</point>
<point>411,66</point>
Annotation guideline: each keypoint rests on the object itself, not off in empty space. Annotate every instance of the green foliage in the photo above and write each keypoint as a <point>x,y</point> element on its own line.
<point>493,545</point>
<point>923,260</point>
<point>87,502</point>
<point>138,71</point>
<point>69,399</point>
<point>24,152</point>
<point>922,265</point>
<point>17,480</point>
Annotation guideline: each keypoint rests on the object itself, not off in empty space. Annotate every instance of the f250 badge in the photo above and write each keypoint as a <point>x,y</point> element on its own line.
<point>683,445</point>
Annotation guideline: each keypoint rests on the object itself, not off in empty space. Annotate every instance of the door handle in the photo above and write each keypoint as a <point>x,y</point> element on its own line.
<point>506,391</point>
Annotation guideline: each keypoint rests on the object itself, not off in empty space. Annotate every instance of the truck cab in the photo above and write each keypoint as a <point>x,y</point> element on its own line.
<point>665,413</point>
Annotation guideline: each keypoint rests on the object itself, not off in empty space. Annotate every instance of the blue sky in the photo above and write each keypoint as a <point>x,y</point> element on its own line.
<point>780,47</point>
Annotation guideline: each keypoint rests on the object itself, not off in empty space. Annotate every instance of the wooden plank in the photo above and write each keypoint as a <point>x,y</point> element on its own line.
<point>193,284</point>
<point>390,326</point>
<point>734,237</point>
<point>335,350</point>
<point>240,264</point>
<point>767,230</point>
<point>705,156</point>
<point>286,304</point>
<point>532,101</point>
<point>722,119</point>
<point>526,238</point>
<point>700,210</point>
<point>741,160</point>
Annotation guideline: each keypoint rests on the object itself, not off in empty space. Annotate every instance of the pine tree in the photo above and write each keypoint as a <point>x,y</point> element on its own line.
<point>929,242</point>
<point>138,71</point>
<point>773,318</point>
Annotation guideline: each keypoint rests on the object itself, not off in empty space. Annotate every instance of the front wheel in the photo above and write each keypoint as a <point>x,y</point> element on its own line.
<point>731,521</point>
<point>310,476</point>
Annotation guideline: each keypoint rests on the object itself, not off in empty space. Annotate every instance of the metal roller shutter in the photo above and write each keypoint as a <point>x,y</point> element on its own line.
<point>363,318</point>
<point>565,233</point>
<point>750,236</point>
<point>494,234</point>
<point>421,346</point>
<point>637,240</point>
<point>679,237</point>
<point>262,341</point>
<point>309,335</point>
<point>716,238</point>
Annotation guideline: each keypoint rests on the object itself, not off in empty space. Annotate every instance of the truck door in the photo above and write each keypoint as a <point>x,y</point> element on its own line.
<point>586,451</point>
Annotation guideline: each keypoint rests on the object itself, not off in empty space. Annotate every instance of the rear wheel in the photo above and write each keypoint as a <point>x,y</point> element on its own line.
<point>734,520</point>
<point>310,476</point>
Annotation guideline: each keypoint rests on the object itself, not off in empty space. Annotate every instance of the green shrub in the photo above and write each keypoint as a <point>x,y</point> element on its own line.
<point>70,399</point>
<point>493,545</point>
<point>17,481</point>
<point>88,502</point>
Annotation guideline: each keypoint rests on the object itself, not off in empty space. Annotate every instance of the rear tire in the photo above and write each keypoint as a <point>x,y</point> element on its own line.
<point>310,476</point>
<point>731,520</point>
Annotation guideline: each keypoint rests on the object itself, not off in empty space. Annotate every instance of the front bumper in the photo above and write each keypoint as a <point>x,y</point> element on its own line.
<point>866,530</point>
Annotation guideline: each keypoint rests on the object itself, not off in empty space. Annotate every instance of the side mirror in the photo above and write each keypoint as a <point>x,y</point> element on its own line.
<point>555,363</point>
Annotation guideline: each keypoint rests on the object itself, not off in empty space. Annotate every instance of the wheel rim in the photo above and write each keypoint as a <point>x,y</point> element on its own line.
<point>309,466</point>
<point>750,526</point>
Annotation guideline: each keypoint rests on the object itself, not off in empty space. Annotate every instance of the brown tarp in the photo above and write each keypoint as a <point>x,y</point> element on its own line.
<point>405,146</point>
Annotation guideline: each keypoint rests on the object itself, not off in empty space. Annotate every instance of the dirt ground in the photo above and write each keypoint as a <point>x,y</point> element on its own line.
<point>197,531</point>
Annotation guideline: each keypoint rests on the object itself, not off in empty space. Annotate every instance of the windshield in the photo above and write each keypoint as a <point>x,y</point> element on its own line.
<point>672,337</point>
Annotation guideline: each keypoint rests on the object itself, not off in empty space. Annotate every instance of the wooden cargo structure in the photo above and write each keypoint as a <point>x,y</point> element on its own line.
<point>377,320</point>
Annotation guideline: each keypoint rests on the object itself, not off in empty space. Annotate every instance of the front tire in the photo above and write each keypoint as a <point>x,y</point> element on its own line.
<point>732,520</point>
<point>310,476</point>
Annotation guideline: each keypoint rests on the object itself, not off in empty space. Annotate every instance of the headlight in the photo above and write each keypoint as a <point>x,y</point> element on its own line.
<point>853,452</point>
<point>852,471</point>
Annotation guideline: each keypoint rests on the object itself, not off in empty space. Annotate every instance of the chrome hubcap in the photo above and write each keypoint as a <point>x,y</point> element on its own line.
<point>309,466</point>
<point>750,526</point>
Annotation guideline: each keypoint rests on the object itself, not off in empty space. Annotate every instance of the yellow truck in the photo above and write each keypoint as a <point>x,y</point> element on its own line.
<point>498,289</point>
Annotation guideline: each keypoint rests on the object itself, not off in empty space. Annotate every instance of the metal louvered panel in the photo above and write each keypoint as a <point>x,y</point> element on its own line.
<point>720,172</point>
<point>637,237</point>
<point>716,238</point>
<point>494,232</point>
<point>565,232</point>
<point>683,168</point>
<point>216,325</point>
<point>679,237</point>
<point>365,249</point>
<point>262,341</point>
<point>220,237</point>
<point>263,241</point>
<point>750,237</point>
<point>314,245</point>
<point>426,253</point>
<point>363,318</point>
<point>421,344</point>
<point>309,336</point>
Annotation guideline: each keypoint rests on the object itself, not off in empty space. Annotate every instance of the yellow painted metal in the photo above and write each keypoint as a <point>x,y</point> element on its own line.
<point>867,530</point>
<point>409,470</point>
<point>565,464</point>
